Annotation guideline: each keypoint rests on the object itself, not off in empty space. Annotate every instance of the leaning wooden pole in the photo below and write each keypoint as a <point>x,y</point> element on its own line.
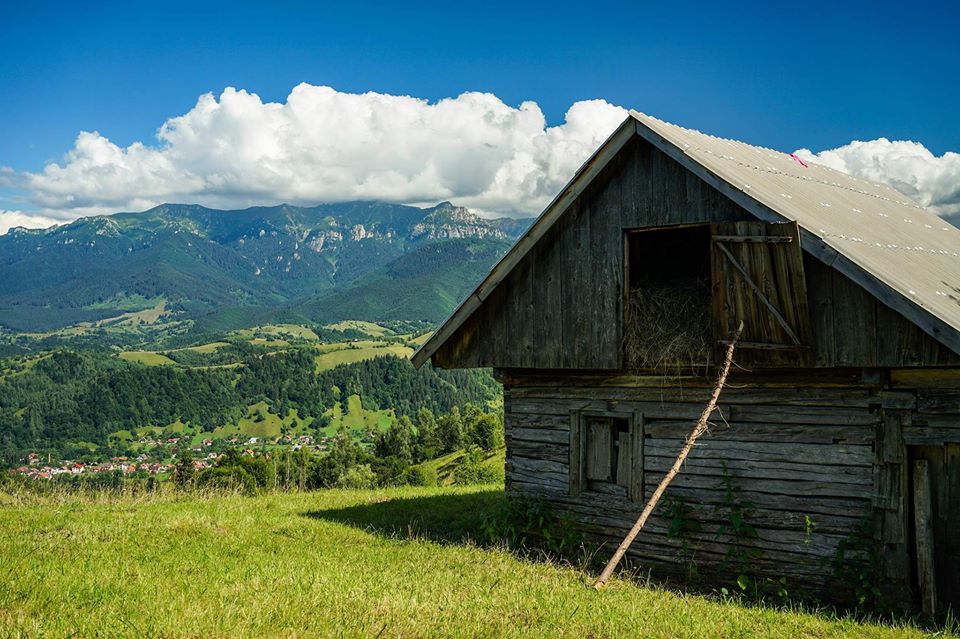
<point>695,434</point>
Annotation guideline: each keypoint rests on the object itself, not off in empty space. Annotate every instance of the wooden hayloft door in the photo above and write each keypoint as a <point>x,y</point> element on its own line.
<point>757,276</point>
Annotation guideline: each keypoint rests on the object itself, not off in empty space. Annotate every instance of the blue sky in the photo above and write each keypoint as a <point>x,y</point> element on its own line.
<point>785,75</point>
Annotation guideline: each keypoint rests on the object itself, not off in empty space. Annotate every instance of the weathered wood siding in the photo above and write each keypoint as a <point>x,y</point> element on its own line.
<point>853,328</point>
<point>800,454</point>
<point>562,305</point>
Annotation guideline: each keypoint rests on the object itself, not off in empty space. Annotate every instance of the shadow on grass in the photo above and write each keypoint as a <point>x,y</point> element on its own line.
<point>459,518</point>
<point>439,518</point>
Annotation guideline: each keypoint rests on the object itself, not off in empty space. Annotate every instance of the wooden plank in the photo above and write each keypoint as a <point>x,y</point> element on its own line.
<point>638,457</point>
<point>773,432</point>
<point>948,492</point>
<point>540,435</point>
<point>939,401</point>
<point>763,268</point>
<point>786,389</point>
<point>602,295</point>
<point>756,469</point>
<point>546,421</point>
<point>546,302</point>
<point>787,487</point>
<point>854,323</point>
<point>792,280</point>
<point>540,465</point>
<point>624,460</point>
<point>753,239</point>
<point>769,519</point>
<point>923,532</point>
<point>722,301</point>
<point>932,430</point>
<point>767,413</point>
<point>497,317</point>
<point>576,317</point>
<point>925,378</point>
<point>890,504</point>
<point>820,296</point>
<point>846,455</point>
<point>811,505</point>
<point>576,454</point>
<point>538,450</point>
<point>763,346</point>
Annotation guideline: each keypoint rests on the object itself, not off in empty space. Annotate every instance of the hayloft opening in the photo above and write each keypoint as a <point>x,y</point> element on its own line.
<point>667,298</point>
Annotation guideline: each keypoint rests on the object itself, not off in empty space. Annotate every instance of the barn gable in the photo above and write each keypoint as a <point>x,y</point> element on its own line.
<point>880,276</point>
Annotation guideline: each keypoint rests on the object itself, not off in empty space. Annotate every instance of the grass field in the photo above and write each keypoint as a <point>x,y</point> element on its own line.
<point>361,351</point>
<point>357,417</point>
<point>148,358</point>
<point>389,563</point>
<point>203,348</point>
<point>418,341</point>
<point>359,325</point>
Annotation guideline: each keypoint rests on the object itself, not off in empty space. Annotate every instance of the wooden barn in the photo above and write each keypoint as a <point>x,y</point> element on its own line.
<point>833,464</point>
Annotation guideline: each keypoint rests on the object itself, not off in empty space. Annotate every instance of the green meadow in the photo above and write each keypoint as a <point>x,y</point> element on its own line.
<point>384,563</point>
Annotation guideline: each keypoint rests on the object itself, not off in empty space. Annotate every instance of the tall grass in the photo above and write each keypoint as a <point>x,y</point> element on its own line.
<point>385,563</point>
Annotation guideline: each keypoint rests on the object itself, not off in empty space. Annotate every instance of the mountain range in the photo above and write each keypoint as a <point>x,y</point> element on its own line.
<point>360,260</point>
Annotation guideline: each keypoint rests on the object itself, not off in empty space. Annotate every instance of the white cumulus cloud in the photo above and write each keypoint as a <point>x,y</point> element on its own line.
<point>909,167</point>
<point>322,145</point>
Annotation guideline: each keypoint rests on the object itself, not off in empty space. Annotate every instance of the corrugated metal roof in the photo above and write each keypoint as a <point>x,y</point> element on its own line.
<point>884,232</point>
<point>904,254</point>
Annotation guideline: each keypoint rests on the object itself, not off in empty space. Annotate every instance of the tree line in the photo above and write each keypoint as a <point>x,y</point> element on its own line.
<point>70,397</point>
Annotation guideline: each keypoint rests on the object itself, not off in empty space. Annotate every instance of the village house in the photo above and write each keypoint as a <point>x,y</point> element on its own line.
<point>837,437</point>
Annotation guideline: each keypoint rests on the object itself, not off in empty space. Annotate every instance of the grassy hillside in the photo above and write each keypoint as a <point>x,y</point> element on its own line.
<point>446,467</point>
<point>425,284</point>
<point>392,563</point>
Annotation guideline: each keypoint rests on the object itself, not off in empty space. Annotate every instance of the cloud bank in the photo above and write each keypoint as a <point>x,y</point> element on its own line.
<point>13,219</point>
<point>909,167</point>
<point>322,145</point>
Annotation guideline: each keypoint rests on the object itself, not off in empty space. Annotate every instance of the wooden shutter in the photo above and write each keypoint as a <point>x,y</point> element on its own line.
<point>757,271</point>
<point>600,449</point>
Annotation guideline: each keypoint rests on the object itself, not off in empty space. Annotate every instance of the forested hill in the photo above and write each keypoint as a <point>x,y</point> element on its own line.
<point>88,404</point>
<point>366,260</point>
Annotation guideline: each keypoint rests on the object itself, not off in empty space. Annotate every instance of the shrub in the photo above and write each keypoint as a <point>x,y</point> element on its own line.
<point>227,478</point>
<point>357,477</point>
<point>473,471</point>
<point>421,476</point>
<point>530,524</point>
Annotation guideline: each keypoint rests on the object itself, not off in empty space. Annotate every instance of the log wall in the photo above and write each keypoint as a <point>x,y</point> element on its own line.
<point>816,458</point>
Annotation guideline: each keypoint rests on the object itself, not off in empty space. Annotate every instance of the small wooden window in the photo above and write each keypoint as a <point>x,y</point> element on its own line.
<point>606,454</point>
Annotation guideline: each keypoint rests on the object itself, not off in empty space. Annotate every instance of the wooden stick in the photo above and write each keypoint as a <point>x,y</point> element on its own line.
<point>697,431</point>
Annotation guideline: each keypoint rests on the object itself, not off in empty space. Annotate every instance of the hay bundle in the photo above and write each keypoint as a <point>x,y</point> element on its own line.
<point>668,326</point>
